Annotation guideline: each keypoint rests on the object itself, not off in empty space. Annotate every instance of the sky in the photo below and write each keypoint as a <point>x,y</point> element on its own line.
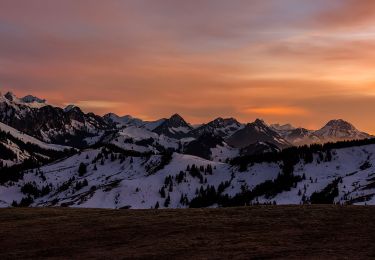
<point>288,61</point>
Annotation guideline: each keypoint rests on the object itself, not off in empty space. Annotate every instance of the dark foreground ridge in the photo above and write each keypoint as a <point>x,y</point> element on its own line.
<point>239,233</point>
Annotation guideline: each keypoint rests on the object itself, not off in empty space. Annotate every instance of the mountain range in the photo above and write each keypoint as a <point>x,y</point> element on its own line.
<point>62,156</point>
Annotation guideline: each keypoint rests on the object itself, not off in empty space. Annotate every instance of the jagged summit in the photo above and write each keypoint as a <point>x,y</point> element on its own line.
<point>259,121</point>
<point>223,127</point>
<point>261,124</point>
<point>31,115</point>
<point>69,108</point>
<point>224,122</point>
<point>257,131</point>
<point>176,120</point>
<point>175,127</point>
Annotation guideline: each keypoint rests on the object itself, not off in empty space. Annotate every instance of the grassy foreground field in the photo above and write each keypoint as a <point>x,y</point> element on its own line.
<point>249,232</point>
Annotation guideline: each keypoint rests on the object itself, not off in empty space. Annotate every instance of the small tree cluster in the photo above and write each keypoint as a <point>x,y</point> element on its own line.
<point>167,201</point>
<point>184,200</point>
<point>180,177</point>
<point>82,169</point>
<point>66,185</point>
<point>327,195</point>
<point>25,202</point>
<point>195,172</point>
<point>206,197</point>
<point>31,189</point>
<point>80,184</point>
<point>168,182</point>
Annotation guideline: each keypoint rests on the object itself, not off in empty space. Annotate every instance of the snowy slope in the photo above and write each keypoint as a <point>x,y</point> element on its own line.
<point>142,140</point>
<point>16,147</point>
<point>29,139</point>
<point>116,184</point>
<point>115,181</point>
<point>346,164</point>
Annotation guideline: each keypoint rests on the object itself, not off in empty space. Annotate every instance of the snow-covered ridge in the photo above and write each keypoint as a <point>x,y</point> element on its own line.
<point>29,139</point>
<point>332,131</point>
<point>50,124</point>
<point>127,120</point>
<point>29,100</point>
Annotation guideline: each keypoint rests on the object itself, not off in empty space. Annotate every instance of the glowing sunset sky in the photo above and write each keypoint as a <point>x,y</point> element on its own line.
<point>297,61</point>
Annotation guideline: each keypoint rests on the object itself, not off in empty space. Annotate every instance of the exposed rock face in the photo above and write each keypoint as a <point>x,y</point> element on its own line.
<point>223,127</point>
<point>255,132</point>
<point>50,124</point>
<point>174,127</point>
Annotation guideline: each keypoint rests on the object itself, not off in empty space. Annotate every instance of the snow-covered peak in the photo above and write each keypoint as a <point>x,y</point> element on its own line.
<point>340,123</point>
<point>29,100</point>
<point>111,116</point>
<point>260,125</point>
<point>32,99</point>
<point>259,122</point>
<point>177,121</point>
<point>224,122</point>
<point>223,127</point>
<point>68,108</point>
<point>334,130</point>
<point>285,127</point>
<point>126,120</point>
<point>340,129</point>
<point>174,127</point>
<point>257,131</point>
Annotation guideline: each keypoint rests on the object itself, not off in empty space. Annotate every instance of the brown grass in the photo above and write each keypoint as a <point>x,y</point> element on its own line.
<point>238,233</point>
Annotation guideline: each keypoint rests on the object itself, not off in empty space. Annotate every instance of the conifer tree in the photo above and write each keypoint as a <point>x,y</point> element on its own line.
<point>167,201</point>
<point>162,192</point>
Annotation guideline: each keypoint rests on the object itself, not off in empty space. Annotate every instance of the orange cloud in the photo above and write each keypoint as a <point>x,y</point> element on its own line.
<point>348,14</point>
<point>302,62</point>
<point>280,111</point>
